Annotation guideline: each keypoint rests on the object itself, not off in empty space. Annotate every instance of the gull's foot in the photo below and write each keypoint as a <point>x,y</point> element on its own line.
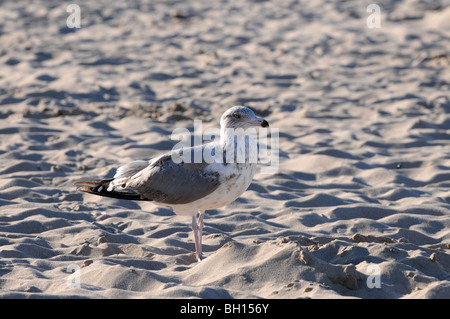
<point>199,258</point>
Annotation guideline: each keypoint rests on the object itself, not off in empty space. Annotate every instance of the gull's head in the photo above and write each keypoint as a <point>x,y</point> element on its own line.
<point>241,117</point>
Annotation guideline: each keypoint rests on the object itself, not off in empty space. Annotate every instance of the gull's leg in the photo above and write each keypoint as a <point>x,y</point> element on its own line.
<point>200,230</point>
<point>198,242</point>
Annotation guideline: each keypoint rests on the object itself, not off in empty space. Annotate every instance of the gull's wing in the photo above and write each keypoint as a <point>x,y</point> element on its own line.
<point>172,178</point>
<point>169,179</point>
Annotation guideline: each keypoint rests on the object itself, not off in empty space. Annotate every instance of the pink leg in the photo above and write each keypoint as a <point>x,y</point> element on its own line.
<point>200,231</point>
<point>197,227</point>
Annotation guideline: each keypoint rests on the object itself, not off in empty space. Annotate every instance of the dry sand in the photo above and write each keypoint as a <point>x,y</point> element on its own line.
<point>364,118</point>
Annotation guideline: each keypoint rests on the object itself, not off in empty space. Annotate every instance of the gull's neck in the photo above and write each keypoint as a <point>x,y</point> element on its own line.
<point>239,144</point>
<point>228,136</point>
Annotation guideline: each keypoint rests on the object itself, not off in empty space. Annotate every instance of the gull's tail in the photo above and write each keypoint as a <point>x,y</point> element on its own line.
<point>101,189</point>
<point>115,187</point>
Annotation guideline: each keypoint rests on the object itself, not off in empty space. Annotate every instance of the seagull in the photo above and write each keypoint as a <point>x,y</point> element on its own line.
<point>221,171</point>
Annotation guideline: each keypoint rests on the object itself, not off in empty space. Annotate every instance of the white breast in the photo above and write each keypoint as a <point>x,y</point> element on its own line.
<point>235,178</point>
<point>231,187</point>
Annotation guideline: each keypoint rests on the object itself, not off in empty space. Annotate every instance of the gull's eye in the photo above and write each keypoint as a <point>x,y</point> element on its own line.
<point>236,115</point>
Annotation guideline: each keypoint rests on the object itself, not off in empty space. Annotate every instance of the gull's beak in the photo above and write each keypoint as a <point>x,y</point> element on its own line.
<point>264,123</point>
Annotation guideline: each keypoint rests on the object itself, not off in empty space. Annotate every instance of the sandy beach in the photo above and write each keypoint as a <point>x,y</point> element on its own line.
<point>359,206</point>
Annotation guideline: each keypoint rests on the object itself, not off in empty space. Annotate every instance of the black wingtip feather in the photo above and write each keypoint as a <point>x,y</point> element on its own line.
<point>101,189</point>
